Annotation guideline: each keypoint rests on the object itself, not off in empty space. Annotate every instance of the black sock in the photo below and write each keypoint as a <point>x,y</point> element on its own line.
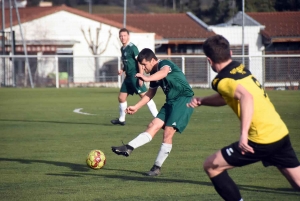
<point>226,187</point>
<point>129,147</point>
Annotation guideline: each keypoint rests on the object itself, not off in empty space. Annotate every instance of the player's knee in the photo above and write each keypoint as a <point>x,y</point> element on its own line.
<point>206,166</point>
<point>210,168</point>
<point>153,127</point>
<point>121,100</point>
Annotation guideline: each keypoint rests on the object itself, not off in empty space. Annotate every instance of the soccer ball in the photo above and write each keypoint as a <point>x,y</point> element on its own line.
<point>95,159</point>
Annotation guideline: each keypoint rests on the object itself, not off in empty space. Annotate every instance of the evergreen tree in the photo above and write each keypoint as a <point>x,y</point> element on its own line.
<point>256,5</point>
<point>219,12</point>
<point>71,3</point>
<point>195,7</point>
<point>287,5</point>
<point>33,3</point>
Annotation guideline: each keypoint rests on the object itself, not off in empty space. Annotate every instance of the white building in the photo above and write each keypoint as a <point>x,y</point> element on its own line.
<point>253,46</point>
<point>73,33</point>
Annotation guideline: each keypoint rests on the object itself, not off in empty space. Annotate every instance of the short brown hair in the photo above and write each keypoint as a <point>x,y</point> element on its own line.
<point>217,48</point>
<point>124,30</point>
<point>146,54</point>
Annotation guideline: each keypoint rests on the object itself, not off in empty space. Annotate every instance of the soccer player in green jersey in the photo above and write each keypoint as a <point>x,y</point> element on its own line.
<point>263,135</point>
<point>131,84</point>
<point>172,117</point>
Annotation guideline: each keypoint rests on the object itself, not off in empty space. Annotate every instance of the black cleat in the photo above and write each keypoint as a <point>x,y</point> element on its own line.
<point>154,171</point>
<point>117,121</point>
<point>124,150</point>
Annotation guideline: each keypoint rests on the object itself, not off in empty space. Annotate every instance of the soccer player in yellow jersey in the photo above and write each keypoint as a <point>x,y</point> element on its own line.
<point>263,135</point>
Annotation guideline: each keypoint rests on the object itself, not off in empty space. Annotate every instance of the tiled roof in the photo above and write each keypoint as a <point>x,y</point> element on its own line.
<point>31,13</point>
<point>238,20</point>
<point>279,24</point>
<point>169,26</point>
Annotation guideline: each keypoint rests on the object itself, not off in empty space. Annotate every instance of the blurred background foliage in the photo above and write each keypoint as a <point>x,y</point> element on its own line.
<point>210,11</point>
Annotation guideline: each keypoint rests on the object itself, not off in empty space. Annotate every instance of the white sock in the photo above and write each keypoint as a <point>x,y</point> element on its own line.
<point>122,108</point>
<point>163,153</point>
<point>140,140</point>
<point>152,108</point>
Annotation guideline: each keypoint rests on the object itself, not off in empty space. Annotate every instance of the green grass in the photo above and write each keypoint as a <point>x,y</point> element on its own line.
<point>44,145</point>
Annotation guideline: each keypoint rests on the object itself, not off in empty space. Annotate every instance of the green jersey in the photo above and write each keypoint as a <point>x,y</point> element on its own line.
<point>174,84</point>
<point>129,52</point>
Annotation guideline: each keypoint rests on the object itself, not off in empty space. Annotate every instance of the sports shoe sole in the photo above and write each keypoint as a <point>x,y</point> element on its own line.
<point>151,174</point>
<point>117,123</point>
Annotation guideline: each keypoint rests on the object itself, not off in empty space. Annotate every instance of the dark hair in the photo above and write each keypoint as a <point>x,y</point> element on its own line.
<point>217,48</point>
<point>146,54</point>
<point>124,30</point>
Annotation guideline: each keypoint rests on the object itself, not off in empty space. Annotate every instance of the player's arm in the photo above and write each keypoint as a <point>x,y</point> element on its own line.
<point>121,71</point>
<point>212,100</point>
<point>141,71</point>
<point>162,73</point>
<point>246,114</point>
<point>140,67</point>
<point>146,98</point>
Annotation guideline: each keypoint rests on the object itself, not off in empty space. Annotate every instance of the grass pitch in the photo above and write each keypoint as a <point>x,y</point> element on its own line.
<point>44,145</point>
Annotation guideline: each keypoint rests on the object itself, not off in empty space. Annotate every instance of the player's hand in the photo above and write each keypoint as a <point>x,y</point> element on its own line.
<point>243,145</point>
<point>142,76</point>
<point>130,110</point>
<point>120,72</point>
<point>195,102</point>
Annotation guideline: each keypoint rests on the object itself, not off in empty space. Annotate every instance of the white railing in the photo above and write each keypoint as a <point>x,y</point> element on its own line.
<point>273,71</point>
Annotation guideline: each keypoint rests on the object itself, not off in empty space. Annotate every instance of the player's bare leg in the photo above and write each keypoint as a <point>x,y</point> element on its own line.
<point>292,175</point>
<point>164,151</point>
<point>216,168</point>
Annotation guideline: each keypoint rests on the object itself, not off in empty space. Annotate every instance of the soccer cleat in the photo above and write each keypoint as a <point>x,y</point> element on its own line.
<point>117,121</point>
<point>124,150</point>
<point>154,171</point>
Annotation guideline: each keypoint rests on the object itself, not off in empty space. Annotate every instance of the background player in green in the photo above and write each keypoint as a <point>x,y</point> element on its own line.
<point>173,116</point>
<point>131,84</point>
<point>263,135</point>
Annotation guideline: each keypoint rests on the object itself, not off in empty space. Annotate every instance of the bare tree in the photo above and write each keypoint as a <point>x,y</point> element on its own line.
<point>96,46</point>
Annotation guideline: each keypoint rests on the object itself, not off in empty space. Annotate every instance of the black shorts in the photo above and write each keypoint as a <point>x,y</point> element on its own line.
<point>280,154</point>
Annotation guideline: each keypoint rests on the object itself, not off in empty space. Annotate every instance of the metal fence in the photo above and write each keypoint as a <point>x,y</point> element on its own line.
<point>279,72</point>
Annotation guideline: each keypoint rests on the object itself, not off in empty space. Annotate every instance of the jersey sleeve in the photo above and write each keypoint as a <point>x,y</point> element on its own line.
<point>135,51</point>
<point>227,87</point>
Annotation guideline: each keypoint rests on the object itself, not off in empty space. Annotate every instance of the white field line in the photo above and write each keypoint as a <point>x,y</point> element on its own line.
<point>78,111</point>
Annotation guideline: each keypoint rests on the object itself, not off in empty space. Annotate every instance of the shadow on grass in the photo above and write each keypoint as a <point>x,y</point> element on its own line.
<point>72,166</point>
<point>82,170</point>
<point>54,122</point>
<point>281,191</point>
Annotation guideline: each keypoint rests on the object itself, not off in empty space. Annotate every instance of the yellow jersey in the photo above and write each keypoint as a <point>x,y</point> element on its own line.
<point>266,125</point>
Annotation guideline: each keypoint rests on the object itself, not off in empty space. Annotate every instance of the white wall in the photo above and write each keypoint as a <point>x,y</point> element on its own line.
<point>65,26</point>
<point>252,38</point>
<point>143,40</point>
